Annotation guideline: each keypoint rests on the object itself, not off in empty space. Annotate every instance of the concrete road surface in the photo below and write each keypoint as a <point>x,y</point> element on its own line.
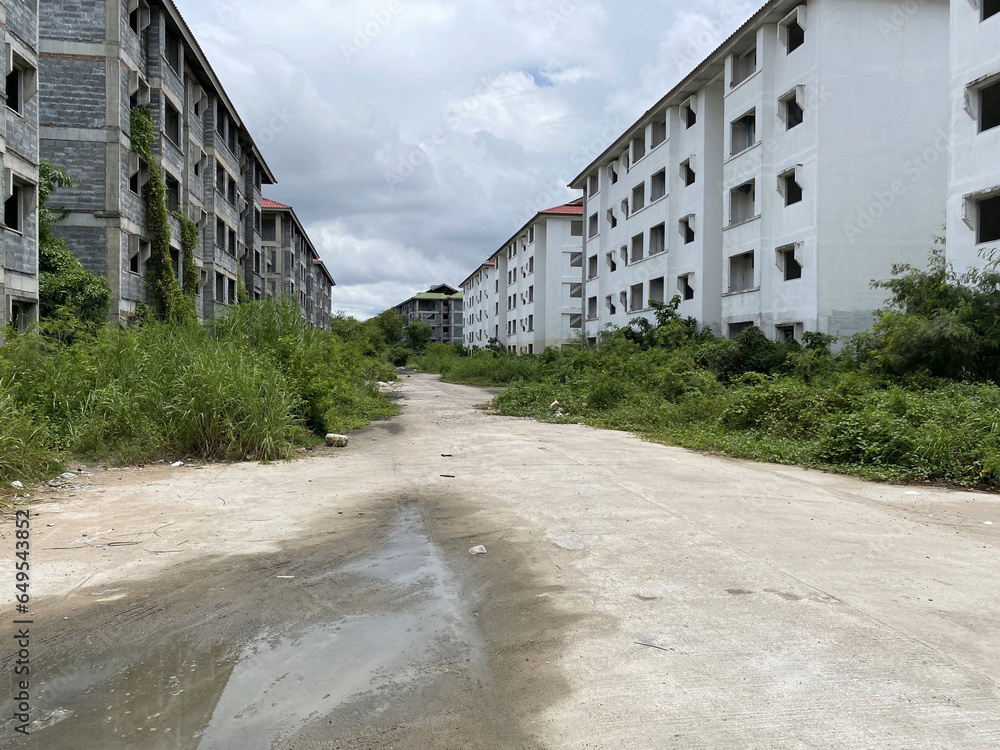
<point>631,596</point>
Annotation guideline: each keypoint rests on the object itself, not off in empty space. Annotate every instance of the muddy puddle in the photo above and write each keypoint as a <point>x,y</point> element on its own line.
<point>213,685</point>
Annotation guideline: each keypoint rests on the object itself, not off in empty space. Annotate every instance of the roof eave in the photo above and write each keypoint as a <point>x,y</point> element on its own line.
<point>689,85</point>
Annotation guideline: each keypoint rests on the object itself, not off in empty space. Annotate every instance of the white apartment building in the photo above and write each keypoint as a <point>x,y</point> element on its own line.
<point>783,175</point>
<point>974,186</point>
<point>529,295</point>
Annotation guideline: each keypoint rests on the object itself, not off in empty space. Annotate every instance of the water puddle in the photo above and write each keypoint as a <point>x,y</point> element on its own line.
<point>250,694</point>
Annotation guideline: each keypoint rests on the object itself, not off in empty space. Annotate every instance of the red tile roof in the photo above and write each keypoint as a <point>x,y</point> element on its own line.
<point>570,209</point>
<point>268,203</point>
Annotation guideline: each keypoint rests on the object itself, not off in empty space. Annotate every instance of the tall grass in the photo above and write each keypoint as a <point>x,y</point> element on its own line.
<point>482,368</point>
<point>847,421</point>
<point>254,385</point>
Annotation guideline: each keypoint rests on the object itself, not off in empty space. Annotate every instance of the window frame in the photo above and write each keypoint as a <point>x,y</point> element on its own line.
<point>738,68</point>
<point>733,219</point>
<point>785,253</point>
<point>796,18</point>
<point>748,121</point>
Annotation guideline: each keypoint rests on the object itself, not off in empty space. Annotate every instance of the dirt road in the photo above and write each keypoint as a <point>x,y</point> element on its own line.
<point>631,596</point>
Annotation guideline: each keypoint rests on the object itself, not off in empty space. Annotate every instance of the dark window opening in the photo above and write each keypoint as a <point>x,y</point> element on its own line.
<point>687,231</point>
<point>688,174</point>
<point>685,288</point>
<point>989,107</point>
<point>989,220</point>
<point>173,194</point>
<point>13,210</point>
<point>794,115</point>
<point>172,52</point>
<point>15,88</point>
<point>791,268</point>
<point>785,333</point>
<point>576,229</point>
<point>172,126</point>
<point>689,116</point>
<point>796,36</point>
<point>792,189</point>
<point>990,8</point>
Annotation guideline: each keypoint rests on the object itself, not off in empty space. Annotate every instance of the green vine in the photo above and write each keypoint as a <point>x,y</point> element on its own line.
<point>189,243</point>
<point>169,301</point>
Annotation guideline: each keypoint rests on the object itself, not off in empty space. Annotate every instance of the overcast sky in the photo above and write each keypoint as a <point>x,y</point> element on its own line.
<point>414,137</point>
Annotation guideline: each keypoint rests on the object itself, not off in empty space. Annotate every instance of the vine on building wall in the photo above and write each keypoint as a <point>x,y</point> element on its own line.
<point>169,301</point>
<point>189,243</point>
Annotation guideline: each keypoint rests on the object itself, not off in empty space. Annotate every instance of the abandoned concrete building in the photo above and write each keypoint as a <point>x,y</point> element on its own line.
<point>101,59</point>
<point>782,175</point>
<point>974,187</point>
<point>442,307</point>
<point>289,265</point>
<point>526,297</point>
<point>19,163</point>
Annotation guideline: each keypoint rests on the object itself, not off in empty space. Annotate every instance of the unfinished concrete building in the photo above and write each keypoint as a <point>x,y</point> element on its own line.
<point>527,296</point>
<point>99,60</point>
<point>443,308</point>
<point>19,164</point>
<point>290,267</point>
<point>794,165</point>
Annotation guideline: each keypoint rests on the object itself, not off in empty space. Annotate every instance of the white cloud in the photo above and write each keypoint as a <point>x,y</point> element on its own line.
<point>414,136</point>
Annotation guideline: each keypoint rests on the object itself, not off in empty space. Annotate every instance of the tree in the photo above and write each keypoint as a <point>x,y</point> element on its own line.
<point>67,291</point>
<point>418,335</point>
<point>388,326</point>
<point>939,322</point>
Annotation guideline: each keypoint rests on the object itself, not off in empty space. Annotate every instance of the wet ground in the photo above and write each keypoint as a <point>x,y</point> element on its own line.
<point>320,648</point>
<point>631,595</point>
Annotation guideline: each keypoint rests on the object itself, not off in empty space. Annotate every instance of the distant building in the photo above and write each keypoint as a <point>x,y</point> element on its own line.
<point>442,308</point>
<point>101,59</point>
<point>19,165</point>
<point>974,187</point>
<point>528,295</point>
<point>797,163</point>
<point>289,265</point>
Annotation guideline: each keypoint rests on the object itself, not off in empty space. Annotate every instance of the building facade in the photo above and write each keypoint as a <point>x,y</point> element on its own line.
<point>19,163</point>
<point>289,266</point>
<point>974,185</point>
<point>101,59</point>
<point>783,175</point>
<point>443,308</point>
<point>529,295</point>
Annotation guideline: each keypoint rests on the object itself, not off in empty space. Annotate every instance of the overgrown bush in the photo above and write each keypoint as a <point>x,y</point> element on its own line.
<point>254,385</point>
<point>895,403</point>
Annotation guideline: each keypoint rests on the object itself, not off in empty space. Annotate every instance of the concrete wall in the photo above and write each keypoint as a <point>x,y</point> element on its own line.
<point>975,155</point>
<point>19,164</point>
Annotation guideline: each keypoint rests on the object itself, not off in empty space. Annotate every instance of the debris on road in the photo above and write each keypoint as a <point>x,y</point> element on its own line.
<point>337,441</point>
<point>17,485</point>
<point>480,550</point>
<point>68,475</point>
<point>177,464</point>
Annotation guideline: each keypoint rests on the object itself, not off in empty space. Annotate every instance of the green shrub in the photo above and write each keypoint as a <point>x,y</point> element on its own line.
<point>253,385</point>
